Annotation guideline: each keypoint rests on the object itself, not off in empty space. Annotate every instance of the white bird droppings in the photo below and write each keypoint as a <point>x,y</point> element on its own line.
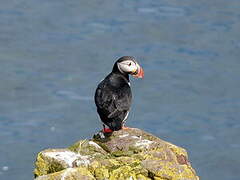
<point>135,137</point>
<point>83,161</point>
<point>94,144</point>
<point>69,157</point>
<point>67,171</point>
<point>124,135</point>
<point>144,143</point>
<point>131,178</point>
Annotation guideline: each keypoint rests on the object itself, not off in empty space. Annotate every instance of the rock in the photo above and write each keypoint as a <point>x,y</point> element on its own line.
<point>130,154</point>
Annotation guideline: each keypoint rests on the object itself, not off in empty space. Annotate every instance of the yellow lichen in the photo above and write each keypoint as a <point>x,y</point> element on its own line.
<point>159,178</point>
<point>123,173</point>
<point>101,173</point>
<point>177,150</point>
<point>69,174</point>
<point>45,167</point>
<point>141,177</point>
<point>169,170</point>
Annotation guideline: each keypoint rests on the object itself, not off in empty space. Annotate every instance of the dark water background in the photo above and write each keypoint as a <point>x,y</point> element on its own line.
<point>53,54</point>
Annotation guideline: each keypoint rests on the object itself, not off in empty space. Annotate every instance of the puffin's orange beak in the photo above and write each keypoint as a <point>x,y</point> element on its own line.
<point>139,72</point>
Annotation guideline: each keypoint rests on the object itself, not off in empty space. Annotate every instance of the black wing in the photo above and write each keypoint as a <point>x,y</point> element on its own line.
<point>112,101</point>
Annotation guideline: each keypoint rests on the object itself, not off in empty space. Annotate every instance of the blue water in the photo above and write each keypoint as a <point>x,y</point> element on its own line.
<point>54,53</point>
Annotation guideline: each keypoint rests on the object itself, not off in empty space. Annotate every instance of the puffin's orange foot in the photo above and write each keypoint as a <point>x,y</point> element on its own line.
<point>125,127</point>
<point>107,130</point>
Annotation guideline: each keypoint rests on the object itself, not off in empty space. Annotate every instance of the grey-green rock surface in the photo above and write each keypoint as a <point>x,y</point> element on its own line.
<point>130,154</point>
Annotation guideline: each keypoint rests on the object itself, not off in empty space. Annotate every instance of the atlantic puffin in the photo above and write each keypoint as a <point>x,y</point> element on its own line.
<point>113,96</point>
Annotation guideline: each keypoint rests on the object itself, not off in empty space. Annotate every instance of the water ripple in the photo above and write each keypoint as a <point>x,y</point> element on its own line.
<point>163,11</point>
<point>72,95</point>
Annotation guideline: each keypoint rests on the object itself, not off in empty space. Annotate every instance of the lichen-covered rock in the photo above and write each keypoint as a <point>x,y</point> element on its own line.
<point>130,154</point>
<point>54,160</point>
<point>69,174</point>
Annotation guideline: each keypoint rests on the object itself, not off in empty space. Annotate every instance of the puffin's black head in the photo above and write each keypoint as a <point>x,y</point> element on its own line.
<point>128,65</point>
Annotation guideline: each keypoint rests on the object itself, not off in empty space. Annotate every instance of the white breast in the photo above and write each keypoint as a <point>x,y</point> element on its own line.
<point>125,117</point>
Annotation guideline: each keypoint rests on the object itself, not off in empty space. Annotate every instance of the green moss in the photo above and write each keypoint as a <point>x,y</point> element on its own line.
<point>103,146</point>
<point>76,146</point>
<point>86,147</point>
<point>125,160</point>
<point>122,153</point>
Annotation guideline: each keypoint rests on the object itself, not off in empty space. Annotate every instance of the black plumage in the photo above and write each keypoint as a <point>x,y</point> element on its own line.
<point>113,96</point>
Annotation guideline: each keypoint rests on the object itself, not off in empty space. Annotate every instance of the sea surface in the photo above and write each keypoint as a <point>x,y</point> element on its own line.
<point>54,53</point>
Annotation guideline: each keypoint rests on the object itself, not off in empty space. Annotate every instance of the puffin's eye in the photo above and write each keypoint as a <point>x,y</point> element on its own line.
<point>130,64</point>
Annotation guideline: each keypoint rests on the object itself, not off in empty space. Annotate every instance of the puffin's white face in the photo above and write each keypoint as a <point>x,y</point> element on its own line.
<point>131,67</point>
<point>127,66</point>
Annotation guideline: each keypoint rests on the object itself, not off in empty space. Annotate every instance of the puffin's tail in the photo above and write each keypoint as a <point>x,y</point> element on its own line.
<point>115,125</point>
